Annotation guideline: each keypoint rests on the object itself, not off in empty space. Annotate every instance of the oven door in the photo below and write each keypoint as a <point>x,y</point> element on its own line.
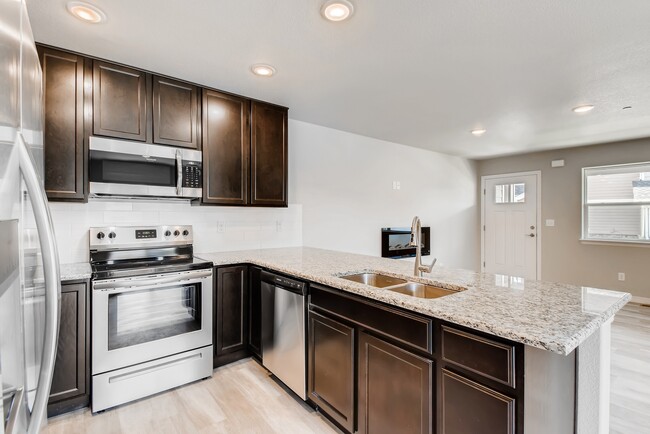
<point>144,318</point>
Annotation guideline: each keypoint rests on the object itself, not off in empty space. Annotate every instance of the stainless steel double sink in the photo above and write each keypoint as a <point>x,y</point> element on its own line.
<point>402,286</point>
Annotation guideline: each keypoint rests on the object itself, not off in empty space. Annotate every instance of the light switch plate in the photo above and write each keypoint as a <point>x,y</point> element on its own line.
<point>550,222</point>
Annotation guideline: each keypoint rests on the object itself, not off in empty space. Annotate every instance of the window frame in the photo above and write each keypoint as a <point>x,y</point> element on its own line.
<point>585,206</point>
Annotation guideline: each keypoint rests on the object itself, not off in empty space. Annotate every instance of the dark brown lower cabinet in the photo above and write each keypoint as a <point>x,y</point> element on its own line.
<point>330,382</point>
<point>71,381</point>
<point>470,407</point>
<point>231,315</point>
<point>255,312</point>
<point>395,389</point>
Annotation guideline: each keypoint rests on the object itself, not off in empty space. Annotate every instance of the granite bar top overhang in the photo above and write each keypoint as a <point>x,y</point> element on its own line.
<point>550,316</point>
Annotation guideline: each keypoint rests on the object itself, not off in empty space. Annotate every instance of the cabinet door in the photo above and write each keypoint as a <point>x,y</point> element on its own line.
<point>469,407</point>
<point>226,148</point>
<point>63,80</point>
<point>269,160</point>
<point>71,369</point>
<point>175,113</point>
<point>330,382</point>
<point>231,310</point>
<point>119,101</point>
<point>395,389</point>
<point>255,318</point>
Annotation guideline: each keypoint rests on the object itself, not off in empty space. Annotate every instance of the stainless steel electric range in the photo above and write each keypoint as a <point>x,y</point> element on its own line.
<point>151,312</point>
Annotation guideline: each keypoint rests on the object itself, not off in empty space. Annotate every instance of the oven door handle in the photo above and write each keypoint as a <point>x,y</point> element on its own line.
<point>126,285</point>
<point>179,172</point>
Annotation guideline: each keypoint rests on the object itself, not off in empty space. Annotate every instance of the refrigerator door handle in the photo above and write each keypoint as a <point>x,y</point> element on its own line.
<point>51,274</point>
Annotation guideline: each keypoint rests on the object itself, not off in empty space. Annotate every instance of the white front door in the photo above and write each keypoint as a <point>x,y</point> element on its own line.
<point>510,232</point>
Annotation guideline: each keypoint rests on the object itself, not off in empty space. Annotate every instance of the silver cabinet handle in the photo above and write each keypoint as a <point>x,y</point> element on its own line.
<point>179,172</point>
<point>50,257</point>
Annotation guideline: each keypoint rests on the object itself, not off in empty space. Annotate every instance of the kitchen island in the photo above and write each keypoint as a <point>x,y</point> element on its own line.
<point>562,330</point>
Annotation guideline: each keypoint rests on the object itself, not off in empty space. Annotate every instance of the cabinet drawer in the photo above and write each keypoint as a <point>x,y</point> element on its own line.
<point>411,329</point>
<point>489,358</point>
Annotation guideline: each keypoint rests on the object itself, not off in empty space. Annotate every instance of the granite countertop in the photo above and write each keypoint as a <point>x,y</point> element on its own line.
<point>551,316</point>
<point>76,271</point>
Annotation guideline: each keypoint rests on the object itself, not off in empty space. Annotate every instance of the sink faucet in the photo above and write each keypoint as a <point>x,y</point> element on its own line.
<point>416,235</point>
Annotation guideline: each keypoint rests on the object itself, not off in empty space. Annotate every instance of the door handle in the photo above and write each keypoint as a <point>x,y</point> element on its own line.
<point>179,172</point>
<point>50,257</point>
<point>530,235</point>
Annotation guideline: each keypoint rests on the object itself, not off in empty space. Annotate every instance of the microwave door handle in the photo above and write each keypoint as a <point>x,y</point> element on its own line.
<point>179,173</point>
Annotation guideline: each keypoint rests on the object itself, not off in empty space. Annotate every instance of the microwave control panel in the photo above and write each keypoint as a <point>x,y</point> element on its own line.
<point>192,174</point>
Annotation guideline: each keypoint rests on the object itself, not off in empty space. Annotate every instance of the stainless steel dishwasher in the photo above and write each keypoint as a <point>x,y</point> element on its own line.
<point>283,330</point>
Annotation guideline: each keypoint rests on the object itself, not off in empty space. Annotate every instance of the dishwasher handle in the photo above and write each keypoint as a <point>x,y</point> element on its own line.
<point>285,283</point>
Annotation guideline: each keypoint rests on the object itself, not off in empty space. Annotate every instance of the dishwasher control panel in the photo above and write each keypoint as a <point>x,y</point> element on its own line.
<point>283,282</point>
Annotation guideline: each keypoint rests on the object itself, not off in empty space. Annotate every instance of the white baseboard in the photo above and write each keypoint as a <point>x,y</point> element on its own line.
<point>640,300</point>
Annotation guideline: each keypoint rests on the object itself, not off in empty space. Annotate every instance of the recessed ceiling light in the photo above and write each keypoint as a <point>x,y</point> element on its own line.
<point>263,70</point>
<point>337,10</point>
<point>478,131</point>
<point>86,12</point>
<point>583,109</point>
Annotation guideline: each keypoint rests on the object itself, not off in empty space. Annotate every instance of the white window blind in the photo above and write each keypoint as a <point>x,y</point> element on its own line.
<point>616,203</point>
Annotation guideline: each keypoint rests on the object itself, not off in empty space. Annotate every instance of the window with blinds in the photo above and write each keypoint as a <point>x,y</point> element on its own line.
<point>616,203</point>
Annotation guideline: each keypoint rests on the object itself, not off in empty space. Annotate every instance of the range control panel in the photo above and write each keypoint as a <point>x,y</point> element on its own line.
<point>192,174</point>
<point>114,237</point>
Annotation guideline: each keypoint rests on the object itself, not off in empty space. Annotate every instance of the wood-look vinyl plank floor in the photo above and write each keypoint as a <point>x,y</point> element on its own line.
<point>630,381</point>
<point>239,398</point>
<point>242,398</point>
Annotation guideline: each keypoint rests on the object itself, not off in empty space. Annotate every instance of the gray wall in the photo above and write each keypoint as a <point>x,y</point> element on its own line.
<point>564,257</point>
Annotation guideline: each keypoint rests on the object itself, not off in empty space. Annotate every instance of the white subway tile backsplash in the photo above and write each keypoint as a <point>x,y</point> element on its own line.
<point>244,228</point>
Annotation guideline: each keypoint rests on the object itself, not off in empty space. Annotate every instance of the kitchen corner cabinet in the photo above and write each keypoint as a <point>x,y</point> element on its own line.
<point>71,381</point>
<point>175,113</point>
<point>63,149</point>
<point>226,148</point>
<point>230,333</point>
<point>120,98</point>
<point>330,378</point>
<point>269,150</point>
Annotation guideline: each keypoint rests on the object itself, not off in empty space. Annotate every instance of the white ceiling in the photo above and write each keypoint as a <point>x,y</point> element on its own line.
<point>418,72</point>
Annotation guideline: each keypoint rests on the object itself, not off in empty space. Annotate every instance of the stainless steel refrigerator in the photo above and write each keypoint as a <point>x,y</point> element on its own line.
<point>29,266</point>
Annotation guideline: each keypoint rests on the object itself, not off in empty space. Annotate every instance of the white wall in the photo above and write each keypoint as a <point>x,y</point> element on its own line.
<point>340,195</point>
<point>344,183</point>
<point>244,228</point>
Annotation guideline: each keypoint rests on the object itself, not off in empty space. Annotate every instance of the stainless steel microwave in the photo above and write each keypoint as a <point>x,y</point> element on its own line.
<point>121,168</point>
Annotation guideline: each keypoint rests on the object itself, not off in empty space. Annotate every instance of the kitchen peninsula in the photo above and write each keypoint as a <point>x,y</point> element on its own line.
<point>471,347</point>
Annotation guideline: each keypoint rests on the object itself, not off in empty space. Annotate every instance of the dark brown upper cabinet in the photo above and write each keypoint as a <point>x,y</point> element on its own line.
<point>63,86</point>
<point>269,159</point>
<point>119,101</point>
<point>175,113</point>
<point>226,148</point>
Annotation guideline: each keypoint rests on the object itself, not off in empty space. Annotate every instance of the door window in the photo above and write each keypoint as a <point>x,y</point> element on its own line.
<point>510,193</point>
<point>143,316</point>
